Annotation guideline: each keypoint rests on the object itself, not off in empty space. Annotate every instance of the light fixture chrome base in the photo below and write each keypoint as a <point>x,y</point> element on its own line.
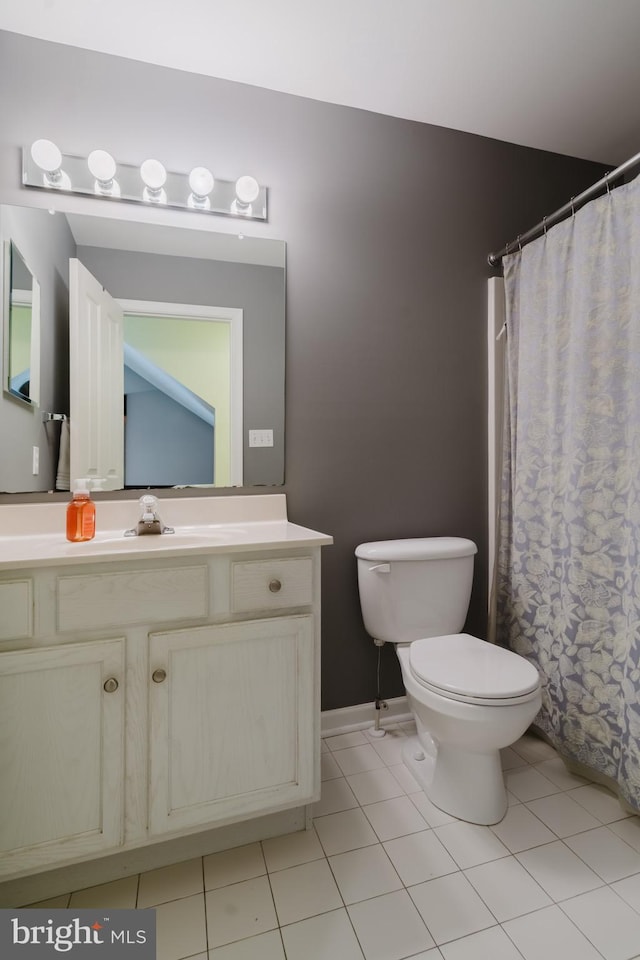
<point>77,179</point>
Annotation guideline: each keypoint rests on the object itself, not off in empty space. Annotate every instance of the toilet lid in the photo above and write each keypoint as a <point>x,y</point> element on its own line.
<point>462,665</point>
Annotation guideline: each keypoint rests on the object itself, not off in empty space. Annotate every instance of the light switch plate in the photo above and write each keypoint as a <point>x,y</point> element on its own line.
<point>260,438</point>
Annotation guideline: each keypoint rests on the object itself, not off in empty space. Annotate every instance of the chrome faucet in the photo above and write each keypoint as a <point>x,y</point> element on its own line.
<point>150,521</point>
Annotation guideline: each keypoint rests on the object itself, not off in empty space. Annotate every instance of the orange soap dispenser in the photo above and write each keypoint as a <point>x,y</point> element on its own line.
<point>81,513</point>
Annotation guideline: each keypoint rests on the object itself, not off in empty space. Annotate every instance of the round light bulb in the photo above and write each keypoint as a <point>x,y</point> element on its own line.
<point>101,165</point>
<point>46,155</point>
<point>201,181</point>
<point>247,189</point>
<point>153,174</point>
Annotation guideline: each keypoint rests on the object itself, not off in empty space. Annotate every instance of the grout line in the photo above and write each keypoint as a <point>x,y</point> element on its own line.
<point>527,764</point>
<point>204,898</point>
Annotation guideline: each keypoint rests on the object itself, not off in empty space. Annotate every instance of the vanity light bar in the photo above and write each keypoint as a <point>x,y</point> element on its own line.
<point>45,167</point>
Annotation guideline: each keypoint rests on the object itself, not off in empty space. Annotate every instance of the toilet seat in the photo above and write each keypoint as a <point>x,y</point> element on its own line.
<point>462,667</point>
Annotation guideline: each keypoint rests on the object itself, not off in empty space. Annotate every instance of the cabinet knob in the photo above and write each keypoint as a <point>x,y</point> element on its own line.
<point>158,676</point>
<point>275,586</point>
<point>111,685</point>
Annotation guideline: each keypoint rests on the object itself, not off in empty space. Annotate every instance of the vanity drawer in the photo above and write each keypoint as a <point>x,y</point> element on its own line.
<point>139,596</point>
<point>271,584</point>
<point>16,609</point>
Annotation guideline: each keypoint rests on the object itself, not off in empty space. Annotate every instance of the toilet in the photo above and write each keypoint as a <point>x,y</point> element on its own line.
<point>469,698</point>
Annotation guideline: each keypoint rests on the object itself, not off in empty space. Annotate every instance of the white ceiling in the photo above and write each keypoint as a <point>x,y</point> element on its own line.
<point>561,75</point>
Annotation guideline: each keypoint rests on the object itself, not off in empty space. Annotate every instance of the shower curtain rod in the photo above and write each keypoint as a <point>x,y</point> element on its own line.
<point>570,207</point>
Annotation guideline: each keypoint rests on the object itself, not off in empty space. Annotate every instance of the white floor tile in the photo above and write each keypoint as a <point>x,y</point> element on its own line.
<point>609,923</point>
<point>563,815</point>
<point>389,748</point>
<point>304,891</point>
<point>629,890</point>
<point>336,795</point>
<point>559,871</point>
<point>362,852</point>
<point>395,818</point>
<point>374,785</point>
<point>507,889</point>
<point>405,778</point>
<point>628,830</point>
<point>358,759</point>
<point>118,895</point>
<point>266,946</point>
<point>533,749</point>
<point>170,883</point>
<point>344,831</point>
<point>53,903</point>
<point>389,927</point>
<point>555,770</point>
<point>549,935</point>
<point>329,769</point>
<point>291,850</point>
<point>509,759</point>
<point>180,928</point>
<point>470,844</point>
<point>232,866</point>
<point>451,908</point>
<point>365,873</point>
<point>433,954</point>
<point>409,728</point>
<point>344,740</point>
<point>432,814</point>
<point>240,910</point>
<point>491,944</point>
<point>329,936</point>
<point>521,830</point>
<point>420,857</point>
<point>600,802</point>
<point>529,784</point>
<point>610,857</point>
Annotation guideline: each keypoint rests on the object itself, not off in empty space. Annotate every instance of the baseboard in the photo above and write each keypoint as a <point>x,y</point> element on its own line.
<point>363,715</point>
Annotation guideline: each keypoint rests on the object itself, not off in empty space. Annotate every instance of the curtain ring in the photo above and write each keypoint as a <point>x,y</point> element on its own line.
<point>519,243</point>
<point>606,181</point>
<point>544,225</point>
<point>573,209</point>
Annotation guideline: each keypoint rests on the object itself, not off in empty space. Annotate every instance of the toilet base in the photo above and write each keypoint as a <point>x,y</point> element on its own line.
<point>468,786</point>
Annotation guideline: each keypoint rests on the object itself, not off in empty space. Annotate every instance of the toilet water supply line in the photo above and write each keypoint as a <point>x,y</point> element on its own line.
<point>379,702</point>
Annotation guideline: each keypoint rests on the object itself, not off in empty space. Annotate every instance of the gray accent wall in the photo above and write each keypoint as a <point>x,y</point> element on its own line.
<point>388,224</point>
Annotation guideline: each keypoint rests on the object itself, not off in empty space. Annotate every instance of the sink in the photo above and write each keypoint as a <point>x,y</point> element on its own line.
<point>183,536</point>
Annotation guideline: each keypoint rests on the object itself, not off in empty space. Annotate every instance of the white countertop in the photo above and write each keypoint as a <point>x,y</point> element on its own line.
<point>34,534</point>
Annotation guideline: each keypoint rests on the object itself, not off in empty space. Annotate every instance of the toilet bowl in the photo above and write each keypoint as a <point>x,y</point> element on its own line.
<point>469,698</point>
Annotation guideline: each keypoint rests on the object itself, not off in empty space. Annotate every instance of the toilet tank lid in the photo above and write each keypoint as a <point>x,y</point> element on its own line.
<point>418,548</point>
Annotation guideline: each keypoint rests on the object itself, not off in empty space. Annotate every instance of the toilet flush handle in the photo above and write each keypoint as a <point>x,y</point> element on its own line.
<point>380,568</point>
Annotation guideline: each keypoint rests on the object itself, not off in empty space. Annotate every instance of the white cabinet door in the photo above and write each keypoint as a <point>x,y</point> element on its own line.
<point>61,752</point>
<point>232,718</point>
<point>96,380</point>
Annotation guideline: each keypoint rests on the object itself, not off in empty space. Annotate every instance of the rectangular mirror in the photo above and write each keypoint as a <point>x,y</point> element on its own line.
<point>21,327</point>
<point>170,346</point>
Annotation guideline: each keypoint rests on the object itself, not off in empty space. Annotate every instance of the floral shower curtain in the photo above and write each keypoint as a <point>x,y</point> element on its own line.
<point>569,554</point>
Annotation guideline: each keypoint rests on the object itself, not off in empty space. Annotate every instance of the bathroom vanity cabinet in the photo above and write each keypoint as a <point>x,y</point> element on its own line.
<point>150,696</point>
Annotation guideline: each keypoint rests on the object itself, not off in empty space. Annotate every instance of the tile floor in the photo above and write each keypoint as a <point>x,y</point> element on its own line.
<point>384,875</point>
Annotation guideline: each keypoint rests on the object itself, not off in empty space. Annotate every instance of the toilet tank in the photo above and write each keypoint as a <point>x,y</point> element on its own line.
<point>410,589</point>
